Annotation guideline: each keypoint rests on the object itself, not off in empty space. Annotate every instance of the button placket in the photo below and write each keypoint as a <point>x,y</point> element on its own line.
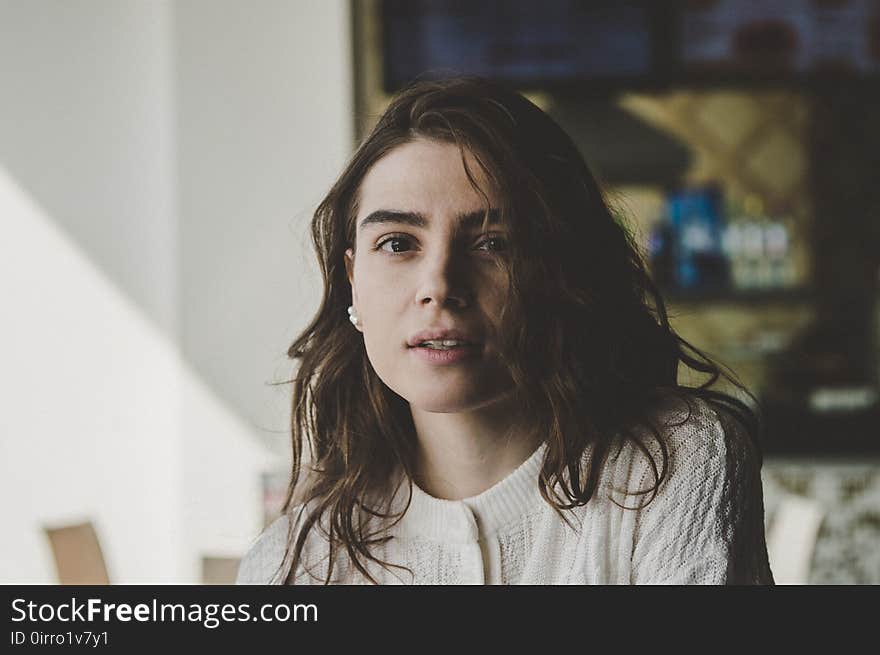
<point>490,549</point>
<point>473,552</point>
<point>475,560</point>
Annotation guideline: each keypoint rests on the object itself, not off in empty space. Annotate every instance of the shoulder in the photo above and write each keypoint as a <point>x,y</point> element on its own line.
<point>695,439</point>
<point>696,444</point>
<point>705,524</point>
<point>262,562</point>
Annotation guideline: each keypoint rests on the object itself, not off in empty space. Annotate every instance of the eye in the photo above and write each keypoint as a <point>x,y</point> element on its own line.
<point>395,239</point>
<point>493,244</point>
<point>401,243</point>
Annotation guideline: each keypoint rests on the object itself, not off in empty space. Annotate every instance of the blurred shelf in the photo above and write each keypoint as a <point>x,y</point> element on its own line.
<point>745,297</point>
<point>791,431</point>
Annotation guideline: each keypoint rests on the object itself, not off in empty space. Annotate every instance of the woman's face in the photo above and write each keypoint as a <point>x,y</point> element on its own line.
<point>423,262</point>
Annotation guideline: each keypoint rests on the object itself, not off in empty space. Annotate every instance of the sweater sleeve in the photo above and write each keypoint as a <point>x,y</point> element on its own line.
<point>706,524</point>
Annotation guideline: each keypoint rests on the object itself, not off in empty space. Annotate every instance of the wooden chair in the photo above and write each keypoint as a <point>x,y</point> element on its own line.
<point>792,537</point>
<point>78,556</point>
<point>219,570</point>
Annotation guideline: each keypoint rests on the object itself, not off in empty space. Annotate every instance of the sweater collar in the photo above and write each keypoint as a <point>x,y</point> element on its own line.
<point>468,519</point>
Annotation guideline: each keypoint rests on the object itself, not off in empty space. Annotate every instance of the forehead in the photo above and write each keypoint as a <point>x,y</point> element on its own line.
<point>425,176</point>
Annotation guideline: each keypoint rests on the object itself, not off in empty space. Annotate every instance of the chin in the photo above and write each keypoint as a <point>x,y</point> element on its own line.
<point>448,404</point>
<point>440,409</point>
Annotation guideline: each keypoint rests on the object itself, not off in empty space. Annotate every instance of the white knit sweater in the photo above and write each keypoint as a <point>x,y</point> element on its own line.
<point>705,526</point>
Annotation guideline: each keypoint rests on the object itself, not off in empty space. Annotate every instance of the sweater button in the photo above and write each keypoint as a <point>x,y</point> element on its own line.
<point>471,528</point>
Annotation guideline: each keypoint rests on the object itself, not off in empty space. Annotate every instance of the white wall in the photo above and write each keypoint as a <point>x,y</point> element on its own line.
<point>264,125</point>
<point>158,165</point>
<point>99,419</point>
<point>86,126</point>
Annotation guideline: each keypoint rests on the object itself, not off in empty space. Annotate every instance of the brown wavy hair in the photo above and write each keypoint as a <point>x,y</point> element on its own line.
<point>585,334</point>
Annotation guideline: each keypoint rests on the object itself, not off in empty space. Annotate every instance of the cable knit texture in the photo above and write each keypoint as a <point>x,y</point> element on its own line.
<point>705,526</point>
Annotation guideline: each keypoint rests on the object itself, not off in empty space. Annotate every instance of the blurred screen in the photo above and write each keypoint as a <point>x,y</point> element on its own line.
<point>517,40</point>
<point>786,35</point>
<point>630,44</point>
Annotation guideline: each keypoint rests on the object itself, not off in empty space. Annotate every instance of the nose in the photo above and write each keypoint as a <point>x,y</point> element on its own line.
<point>443,281</point>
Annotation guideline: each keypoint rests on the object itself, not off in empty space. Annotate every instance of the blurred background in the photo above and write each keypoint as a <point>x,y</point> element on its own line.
<point>160,161</point>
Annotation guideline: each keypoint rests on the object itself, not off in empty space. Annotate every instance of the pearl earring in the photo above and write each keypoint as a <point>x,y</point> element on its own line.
<point>352,316</point>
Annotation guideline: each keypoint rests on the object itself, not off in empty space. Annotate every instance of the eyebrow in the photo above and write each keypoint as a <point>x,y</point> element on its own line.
<point>468,220</point>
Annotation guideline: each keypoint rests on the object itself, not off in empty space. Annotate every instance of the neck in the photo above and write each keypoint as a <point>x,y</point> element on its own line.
<point>462,454</point>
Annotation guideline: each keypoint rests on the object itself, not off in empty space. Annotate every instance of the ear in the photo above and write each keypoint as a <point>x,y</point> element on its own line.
<point>349,264</point>
<point>349,270</point>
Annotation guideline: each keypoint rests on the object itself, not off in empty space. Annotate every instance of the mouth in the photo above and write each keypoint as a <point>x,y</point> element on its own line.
<point>445,344</point>
<point>446,353</point>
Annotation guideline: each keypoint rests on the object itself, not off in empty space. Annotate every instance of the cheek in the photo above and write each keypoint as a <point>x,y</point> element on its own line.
<point>382,279</point>
<point>492,296</point>
<point>378,293</point>
<point>380,300</point>
<point>386,351</point>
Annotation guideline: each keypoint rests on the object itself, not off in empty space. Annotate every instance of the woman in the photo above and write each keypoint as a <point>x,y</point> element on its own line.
<point>489,391</point>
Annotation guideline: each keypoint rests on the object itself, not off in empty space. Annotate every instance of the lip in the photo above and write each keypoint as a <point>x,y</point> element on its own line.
<point>456,355</point>
<point>442,333</point>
